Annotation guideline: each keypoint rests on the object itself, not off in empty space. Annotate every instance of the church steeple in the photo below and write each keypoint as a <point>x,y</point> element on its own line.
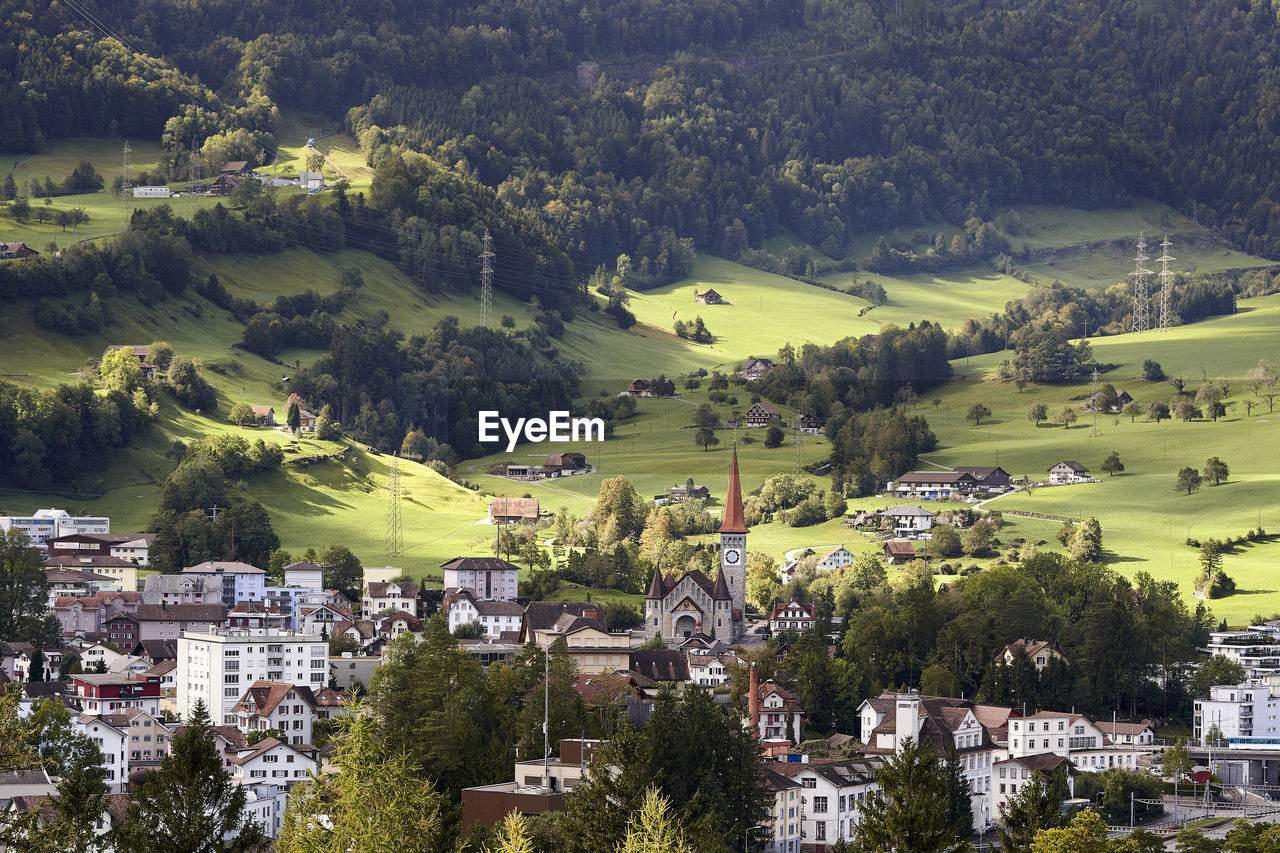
<point>733,518</point>
<point>656,587</point>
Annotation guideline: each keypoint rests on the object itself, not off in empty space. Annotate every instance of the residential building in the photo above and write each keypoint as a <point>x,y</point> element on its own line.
<point>1068,471</point>
<point>134,547</point>
<point>279,706</point>
<point>1257,649</point>
<point>682,492</point>
<point>639,388</point>
<point>754,369</point>
<point>106,693</point>
<point>792,616</point>
<point>543,620</point>
<point>150,740</point>
<point>306,419</point>
<point>1128,734</point>
<point>833,796</point>
<point>762,413</point>
<point>909,521</point>
<point>321,619</point>
<point>397,595</point>
<point>45,524</point>
<point>775,712</point>
<point>488,577</point>
<point>663,666</point>
<point>1010,775</point>
<point>809,425</point>
<point>17,250</point>
<point>594,650</point>
<point>110,734</point>
<point>1071,736</point>
<point>255,615</point>
<point>265,415</point>
<point>181,589</point>
<point>152,192</point>
<point>163,622</point>
<point>933,485</point>
<point>711,670</point>
<point>784,822</point>
<point>346,669</point>
<point>123,573</point>
<point>140,352</point>
<point>216,666</point>
<point>274,761</point>
<point>836,558</point>
<point>304,574</point>
<point>708,297</point>
<point>464,608</point>
<point>513,511</point>
<point>89,614</point>
<point>1039,652</point>
<point>564,463</point>
<point>1238,711</point>
<point>240,581</point>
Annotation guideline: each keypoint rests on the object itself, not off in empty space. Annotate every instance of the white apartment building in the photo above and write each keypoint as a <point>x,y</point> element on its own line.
<point>494,616</point>
<point>284,707</point>
<point>396,595</point>
<point>1239,711</point>
<point>136,550</point>
<point>304,574</point>
<point>785,817</point>
<point>488,577</point>
<point>45,524</point>
<point>110,734</point>
<point>833,795</point>
<point>220,665</point>
<point>240,581</point>
<point>275,762</point>
<point>1257,649</point>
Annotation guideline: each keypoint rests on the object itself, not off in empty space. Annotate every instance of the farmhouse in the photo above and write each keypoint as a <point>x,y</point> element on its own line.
<point>836,558</point>
<point>310,180</point>
<point>991,478</point>
<point>899,551</point>
<point>909,520</point>
<point>755,368</point>
<point>1038,651</point>
<point>152,192</point>
<point>238,168</point>
<point>708,297</point>
<point>140,352</point>
<point>1123,399</point>
<point>809,425</point>
<point>682,492</point>
<point>761,413</point>
<point>513,510</point>
<point>266,415</point>
<point>564,463</point>
<point>306,419</point>
<point>933,485</point>
<point>640,388</point>
<point>1068,471</point>
<point>16,250</point>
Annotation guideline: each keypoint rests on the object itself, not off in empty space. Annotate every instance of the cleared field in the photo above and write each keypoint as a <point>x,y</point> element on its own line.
<point>1145,521</point>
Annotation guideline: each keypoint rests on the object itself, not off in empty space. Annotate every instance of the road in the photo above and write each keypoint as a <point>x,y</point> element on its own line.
<point>332,165</point>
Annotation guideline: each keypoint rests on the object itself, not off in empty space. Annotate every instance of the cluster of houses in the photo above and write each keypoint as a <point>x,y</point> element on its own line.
<point>232,174</point>
<point>556,465</point>
<point>972,482</point>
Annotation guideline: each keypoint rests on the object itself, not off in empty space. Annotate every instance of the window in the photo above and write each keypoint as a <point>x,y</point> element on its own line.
<point>820,831</point>
<point>317,677</point>
<point>819,805</point>
<point>809,783</point>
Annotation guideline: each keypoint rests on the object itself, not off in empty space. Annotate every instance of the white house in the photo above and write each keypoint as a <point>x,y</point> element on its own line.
<point>310,180</point>
<point>274,761</point>
<point>1239,711</point>
<point>488,577</point>
<point>710,670</point>
<point>320,619</point>
<point>277,705</point>
<point>909,521</point>
<point>110,734</point>
<point>45,524</point>
<point>240,581</point>
<point>1071,736</point>
<point>774,712</point>
<point>217,666</point>
<point>833,796</point>
<point>1068,471</point>
<point>304,574</point>
<point>792,616</point>
<point>1039,652</point>
<point>837,558</point>
<point>402,595</point>
<point>152,192</point>
<point>463,608</point>
<point>136,550</point>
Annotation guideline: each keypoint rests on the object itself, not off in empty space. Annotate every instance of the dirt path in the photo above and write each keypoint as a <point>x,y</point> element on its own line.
<point>332,165</point>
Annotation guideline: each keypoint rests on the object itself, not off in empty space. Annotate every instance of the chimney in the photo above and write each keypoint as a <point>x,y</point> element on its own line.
<point>907,719</point>
<point>753,701</point>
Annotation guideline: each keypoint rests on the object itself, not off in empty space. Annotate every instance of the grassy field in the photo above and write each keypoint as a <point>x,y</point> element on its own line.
<point>1145,521</point>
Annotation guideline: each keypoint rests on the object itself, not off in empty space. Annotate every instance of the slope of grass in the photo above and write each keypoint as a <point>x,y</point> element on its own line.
<point>1145,521</point>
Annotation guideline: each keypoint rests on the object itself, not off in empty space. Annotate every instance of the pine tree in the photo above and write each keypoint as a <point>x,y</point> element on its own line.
<point>959,810</point>
<point>190,804</point>
<point>1037,806</point>
<point>513,835</point>
<point>36,673</point>
<point>78,805</point>
<point>655,828</point>
<point>905,813</point>
<point>375,803</point>
<point>293,417</point>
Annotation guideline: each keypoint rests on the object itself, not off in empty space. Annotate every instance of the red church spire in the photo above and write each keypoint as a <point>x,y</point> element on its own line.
<point>733,522</point>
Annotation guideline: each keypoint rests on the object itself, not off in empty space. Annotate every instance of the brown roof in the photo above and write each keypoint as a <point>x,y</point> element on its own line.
<point>264,746</point>
<point>1115,729</point>
<point>1073,465</point>
<point>61,574</point>
<point>235,165</point>
<point>163,668</point>
<point>733,516</point>
<point>408,589</point>
<point>940,477</point>
<point>660,664</point>
<point>79,561</point>
<point>764,406</point>
<point>227,566</point>
<point>94,601</point>
<point>522,507</point>
<point>479,564</point>
<point>330,698</point>
<point>542,615</point>
<point>900,548</point>
<point>263,697</point>
<point>761,362</point>
<point>780,606</point>
<point>1044,762</point>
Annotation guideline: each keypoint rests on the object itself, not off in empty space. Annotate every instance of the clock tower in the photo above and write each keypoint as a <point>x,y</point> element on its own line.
<point>733,547</point>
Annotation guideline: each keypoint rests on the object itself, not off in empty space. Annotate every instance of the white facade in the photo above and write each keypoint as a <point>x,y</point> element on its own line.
<point>837,558</point>
<point>46,524</point>
<point>1257,649</point>
<point>834,796</point>
<point>240,581</point>
<point>392,596</point>
<point>136,551</point>
<point>1066,472</point>
<point>152,192</point>
<point>284,710</point>
<point>1239,711</point>
<point>910,521</point>
<point>348,668</point>
<point>113,741</point>
<point>307,578</point>
<point>1071,736</point>
<point>710,670</point>
<point>494,616</point>
<point>149,738</point>
<point>217,667</point>
<point>273,762</point>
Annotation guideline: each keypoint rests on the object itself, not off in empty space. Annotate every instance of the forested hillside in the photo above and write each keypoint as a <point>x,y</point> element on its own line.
<point>719,121</point>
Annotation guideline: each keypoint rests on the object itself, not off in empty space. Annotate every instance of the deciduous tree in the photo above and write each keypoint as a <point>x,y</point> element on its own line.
<point>1215,469</point>
<point>1189,480</point>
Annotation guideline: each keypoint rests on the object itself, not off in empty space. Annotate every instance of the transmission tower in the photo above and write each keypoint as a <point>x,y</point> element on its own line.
<point>798,444</point>
<point>1141,296</point>
<point>395,531</point>
<point>486,280</point>
<point>193,178</point>
<point>1166,284</point>
<point>1093,401</point>
<point>124,190</point>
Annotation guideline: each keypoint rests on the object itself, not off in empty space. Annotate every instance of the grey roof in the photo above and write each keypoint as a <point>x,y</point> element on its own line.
<point>174,584</point>
<point>498,608</point>
<point>909,510</point>
<point>660,664</point>
<point>181,612</point>
<point>543,615</point>
<point>483,564</point>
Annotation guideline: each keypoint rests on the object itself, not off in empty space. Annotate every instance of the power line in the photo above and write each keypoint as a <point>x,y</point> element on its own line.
<point>1141,296</point>
<point>1166,285</point>
<point>395,531</point>
<point>486,280</point>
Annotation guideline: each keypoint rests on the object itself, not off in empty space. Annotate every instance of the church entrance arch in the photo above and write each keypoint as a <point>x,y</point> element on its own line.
<point>685,626</point>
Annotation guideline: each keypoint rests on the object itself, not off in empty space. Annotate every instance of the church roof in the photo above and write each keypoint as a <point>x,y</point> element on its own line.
<point>733,521</point>
<point>656,587</point>
<point>720,592</point>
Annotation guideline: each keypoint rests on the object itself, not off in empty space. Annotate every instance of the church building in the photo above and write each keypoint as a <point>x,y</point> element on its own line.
<point>693,605</point>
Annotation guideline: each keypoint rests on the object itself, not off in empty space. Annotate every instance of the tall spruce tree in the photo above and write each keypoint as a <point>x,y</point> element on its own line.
<point>905,813</point>
<point>959,810</point>
<point>190,804</point>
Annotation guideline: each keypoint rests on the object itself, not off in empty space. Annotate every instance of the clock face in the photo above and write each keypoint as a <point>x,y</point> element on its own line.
<point>731,556</point>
